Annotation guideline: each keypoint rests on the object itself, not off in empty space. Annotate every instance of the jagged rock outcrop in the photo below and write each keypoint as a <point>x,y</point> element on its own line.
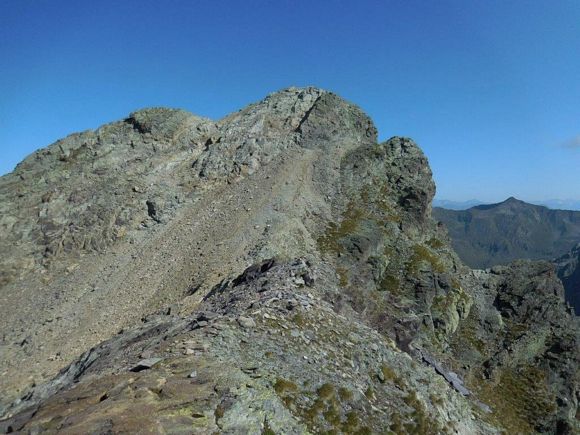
<point>278,272</point>
<point>519,348</point>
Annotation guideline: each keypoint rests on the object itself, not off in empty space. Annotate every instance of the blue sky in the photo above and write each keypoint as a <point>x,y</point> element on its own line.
<point>489,89</point>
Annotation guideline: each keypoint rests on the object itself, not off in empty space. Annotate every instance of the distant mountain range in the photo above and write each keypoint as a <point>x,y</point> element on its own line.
<point>492,234</point>
<point>496,234</point>
<point>558,204</point>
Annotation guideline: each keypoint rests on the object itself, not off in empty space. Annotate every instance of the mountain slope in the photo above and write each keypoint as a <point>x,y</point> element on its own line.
<point>487,235</point>
<point>276,271</point>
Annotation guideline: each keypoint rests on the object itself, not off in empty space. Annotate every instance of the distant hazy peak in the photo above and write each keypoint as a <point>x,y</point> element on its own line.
<point>554,204</point>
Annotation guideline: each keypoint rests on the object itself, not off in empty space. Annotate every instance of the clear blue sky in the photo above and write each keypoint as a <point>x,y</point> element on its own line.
<point>489,89</point>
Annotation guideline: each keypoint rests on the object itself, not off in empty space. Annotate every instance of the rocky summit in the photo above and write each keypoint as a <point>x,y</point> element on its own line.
<point>274,272</point>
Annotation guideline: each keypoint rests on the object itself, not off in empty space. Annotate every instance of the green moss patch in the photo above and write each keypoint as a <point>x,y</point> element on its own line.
<point>326,410</point>
<point>423,255</point>
<point>330,240</point>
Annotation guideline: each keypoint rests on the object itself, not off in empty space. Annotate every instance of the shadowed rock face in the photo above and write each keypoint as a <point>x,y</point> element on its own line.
<point>276,271</point>
<point>568,266</point>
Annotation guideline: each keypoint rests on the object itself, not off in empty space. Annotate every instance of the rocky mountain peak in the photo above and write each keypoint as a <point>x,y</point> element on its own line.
<point>277,270</point>
<point>509,204</point>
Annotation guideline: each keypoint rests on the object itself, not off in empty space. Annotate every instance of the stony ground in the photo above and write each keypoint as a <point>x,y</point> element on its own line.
<point>277,271</point>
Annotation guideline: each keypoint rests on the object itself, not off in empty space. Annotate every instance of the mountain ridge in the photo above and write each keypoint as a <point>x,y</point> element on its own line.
<point>274,271</point>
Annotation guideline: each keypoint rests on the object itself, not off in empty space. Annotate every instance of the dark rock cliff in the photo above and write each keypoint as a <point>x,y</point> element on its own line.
<point>568,267</point>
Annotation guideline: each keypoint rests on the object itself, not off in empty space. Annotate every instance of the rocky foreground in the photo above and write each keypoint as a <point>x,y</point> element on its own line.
<point>277,271</point>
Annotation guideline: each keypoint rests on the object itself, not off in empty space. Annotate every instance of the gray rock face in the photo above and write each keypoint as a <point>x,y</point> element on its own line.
<point>286,259</point>
<point>90,189</point>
